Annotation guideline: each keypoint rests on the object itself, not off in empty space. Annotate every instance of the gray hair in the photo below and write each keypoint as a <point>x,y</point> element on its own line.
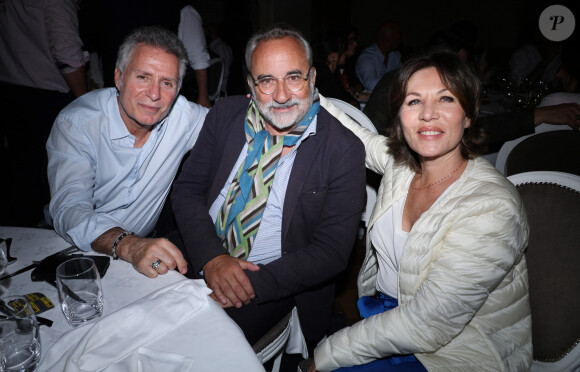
<point>156,37</point>
<point>274,34</point>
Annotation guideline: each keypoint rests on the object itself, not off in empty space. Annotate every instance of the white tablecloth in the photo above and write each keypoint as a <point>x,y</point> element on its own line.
<point>211,340</point>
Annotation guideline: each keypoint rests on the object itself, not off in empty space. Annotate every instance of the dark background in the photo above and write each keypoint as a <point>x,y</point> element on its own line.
<point>502,25</point>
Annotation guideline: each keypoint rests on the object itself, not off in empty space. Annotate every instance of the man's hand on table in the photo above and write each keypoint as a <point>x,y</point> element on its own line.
<point>142,252</point>
<point>225,276</point>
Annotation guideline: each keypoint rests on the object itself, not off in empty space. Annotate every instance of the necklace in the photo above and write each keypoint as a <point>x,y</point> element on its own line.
<point>439,180</point>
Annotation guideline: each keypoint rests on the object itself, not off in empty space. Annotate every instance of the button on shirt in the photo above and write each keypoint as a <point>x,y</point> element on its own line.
<point>267,245</point>
<point>99,180</point>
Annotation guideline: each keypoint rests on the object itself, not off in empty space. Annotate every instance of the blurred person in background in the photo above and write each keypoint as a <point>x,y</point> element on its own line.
<point>42,69</point>
<point>381,57</point>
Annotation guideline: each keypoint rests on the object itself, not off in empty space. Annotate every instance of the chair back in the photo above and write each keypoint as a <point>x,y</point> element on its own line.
<point>373,179</point>
<point>272,342</point>
<point>552,201</point>
<point>548,151</point>
<point>215,78</point>
<point>284,335</point>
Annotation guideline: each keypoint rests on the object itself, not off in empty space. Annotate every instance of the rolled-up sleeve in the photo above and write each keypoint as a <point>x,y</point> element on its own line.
<point>62,27</point>
<point>191,34</point>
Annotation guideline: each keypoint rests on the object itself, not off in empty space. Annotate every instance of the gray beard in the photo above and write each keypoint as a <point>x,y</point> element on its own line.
<point>273,120</point>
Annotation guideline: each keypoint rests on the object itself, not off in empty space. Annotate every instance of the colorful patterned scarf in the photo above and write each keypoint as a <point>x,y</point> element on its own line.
<point>239,217</point>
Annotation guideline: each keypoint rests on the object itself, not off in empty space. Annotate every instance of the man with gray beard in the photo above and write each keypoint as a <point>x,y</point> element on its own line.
<point>269,201</point>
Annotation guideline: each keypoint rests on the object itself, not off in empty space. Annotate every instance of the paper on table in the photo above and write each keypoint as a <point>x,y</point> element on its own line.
<point>115,342</point>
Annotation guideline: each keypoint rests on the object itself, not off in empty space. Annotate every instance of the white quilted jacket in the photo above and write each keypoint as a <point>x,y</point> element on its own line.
<point>463,285</point>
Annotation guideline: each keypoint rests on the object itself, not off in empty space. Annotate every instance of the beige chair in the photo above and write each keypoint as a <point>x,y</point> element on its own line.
<point>552,201</point>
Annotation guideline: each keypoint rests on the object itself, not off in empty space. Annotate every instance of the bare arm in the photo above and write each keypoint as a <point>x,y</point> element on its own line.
<point>77,81</point>
<point>565,113</point>
<point>203,95</point>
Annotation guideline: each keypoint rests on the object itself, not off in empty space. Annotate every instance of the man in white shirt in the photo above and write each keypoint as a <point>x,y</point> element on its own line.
<point>190,32</point>
<point>113,154</point>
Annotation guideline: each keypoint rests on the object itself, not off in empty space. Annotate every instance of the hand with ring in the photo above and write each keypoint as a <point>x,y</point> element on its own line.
<point>156,264</point>
<point>152,257</point>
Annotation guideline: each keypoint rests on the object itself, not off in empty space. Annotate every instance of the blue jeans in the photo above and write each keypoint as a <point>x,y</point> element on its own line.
<point>368,306</point>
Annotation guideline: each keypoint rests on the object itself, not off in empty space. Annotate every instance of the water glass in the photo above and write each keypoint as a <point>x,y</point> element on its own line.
<point>19,342</point>
<point>79,290</point>
<point>3,256</point>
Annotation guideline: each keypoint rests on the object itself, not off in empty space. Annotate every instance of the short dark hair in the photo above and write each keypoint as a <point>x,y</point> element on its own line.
<point>459,79</point>
<point>157,37</point>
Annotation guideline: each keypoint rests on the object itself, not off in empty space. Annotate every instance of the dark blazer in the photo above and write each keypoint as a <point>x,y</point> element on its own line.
<point>322,208</point>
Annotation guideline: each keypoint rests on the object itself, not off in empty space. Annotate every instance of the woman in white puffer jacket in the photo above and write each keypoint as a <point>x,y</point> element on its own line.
<point>446,240</point>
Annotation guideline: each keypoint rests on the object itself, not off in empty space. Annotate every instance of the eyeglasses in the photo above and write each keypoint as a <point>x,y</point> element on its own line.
<point>294,82</point>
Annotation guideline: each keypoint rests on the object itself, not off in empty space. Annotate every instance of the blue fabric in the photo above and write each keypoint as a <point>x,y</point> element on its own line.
<point>369,306</point>
<point>370,66</point>
<point>386,365</point>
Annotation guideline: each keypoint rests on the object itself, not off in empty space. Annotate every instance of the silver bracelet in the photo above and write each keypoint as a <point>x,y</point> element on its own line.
<point>116,242</point>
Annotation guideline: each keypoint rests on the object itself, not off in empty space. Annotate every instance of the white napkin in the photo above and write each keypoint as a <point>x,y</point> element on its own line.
<point>118,342</point>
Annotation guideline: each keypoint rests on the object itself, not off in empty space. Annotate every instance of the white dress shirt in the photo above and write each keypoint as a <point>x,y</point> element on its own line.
<point>98,180</point>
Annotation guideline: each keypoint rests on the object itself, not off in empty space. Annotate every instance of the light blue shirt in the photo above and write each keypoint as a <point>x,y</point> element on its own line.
<point>98,180</point>
<point>370,66</point>
<point>267,245</point>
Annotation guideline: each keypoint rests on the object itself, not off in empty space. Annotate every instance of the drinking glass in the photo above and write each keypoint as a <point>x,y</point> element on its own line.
<point>79,290</point>
<point>3,256</point>
<point>19,342</point>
